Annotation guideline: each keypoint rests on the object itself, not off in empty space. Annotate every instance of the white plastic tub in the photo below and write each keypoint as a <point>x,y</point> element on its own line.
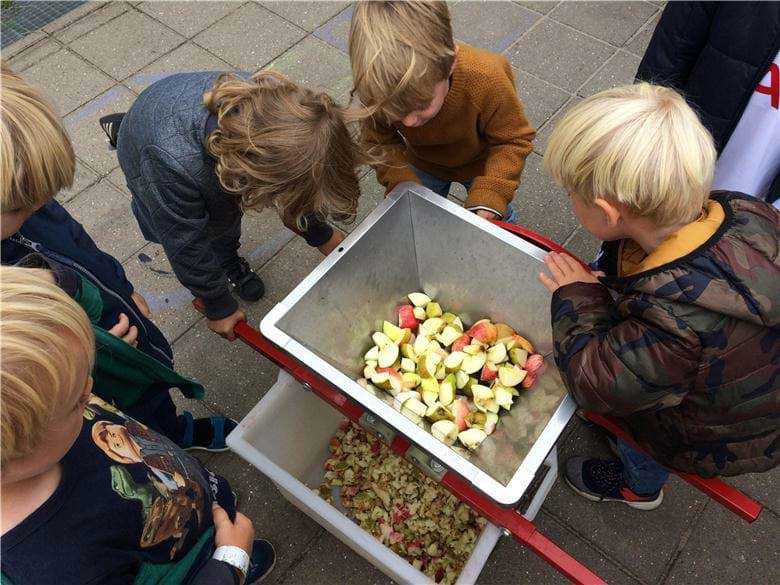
<point>286,437</point>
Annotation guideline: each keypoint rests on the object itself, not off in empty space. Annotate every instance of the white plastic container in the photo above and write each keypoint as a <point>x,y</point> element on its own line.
<point>286,437</point>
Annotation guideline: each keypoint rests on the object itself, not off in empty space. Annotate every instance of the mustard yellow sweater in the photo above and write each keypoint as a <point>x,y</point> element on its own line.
<point>480,133</point>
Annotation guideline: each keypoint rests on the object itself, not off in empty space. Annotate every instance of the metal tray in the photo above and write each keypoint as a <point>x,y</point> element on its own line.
<point>417,240</point>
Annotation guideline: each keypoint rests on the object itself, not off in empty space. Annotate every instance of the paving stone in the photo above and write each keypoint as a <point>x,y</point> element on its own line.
<point>117,179</point>
<point>87,137</point>
<point>619,70</point>
<point>274,518</point>
<point>187,57</point>
<point>151,274</point>
<point>614,22</point>
<point>764,487</point>
<point>541,6</point>
<point>328,560</point>
<point>541,205</point>
<point>188,18</point>
<point>638,44</point>
<point>332,74</point>
<point>559,55</point>
<point>263,235</point>
<point>23,44</point>
<point>583,245</point>
<point>543,135</point>
<point>83,178</point>
<point>371,195</point>
<point>511,562</point>
<point>150,40</point>
<point>33,54</point>
<point>72,16</point>
<point>105,214</point>
<point>540,99</point>
<point>644,542</point>
<point>250,37</point>
<point>336,31</point>
<point>307,15</point>
<point>490,25</point>
<point>67,80</point>
<point>89,21</point>
<point>724,549</point>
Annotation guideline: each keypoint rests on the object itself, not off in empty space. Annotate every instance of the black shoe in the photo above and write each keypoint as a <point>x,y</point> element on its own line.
<point>601,480</point>
<point>206,434</point>
<point>261,561</point>
<point>246,283</point>
<point>110,125</point>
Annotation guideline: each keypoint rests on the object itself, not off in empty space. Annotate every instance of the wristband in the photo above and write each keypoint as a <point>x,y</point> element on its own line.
<point>235,556</point>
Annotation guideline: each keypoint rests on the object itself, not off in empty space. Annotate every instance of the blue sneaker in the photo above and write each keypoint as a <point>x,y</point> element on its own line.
<point>601,480</point>
<point>206,434</point>
<point>261,562</point>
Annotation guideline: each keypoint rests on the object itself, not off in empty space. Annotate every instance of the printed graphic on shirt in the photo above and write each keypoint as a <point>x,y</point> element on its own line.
<point>174,494</point>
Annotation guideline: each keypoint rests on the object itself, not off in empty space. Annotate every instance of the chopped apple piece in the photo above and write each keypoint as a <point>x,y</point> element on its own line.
<point>381,380</point>
<point>381,340</point>
<point>473,363</point>
<point>472,438</point>
<point>448,335</point>
<point>419,299</point>
<point>419,314</point>
<point>395,382</point>
<point>460,409</point>
<point>416,406</point>
<point>408,365</point>
<point>432,326</point>
<point>491,420</point>
<point>453,361</point>
<point>503,396</point>
<point>437,411</point>
<point>441,372</point>
<point>433,309</point>
<point>523,343</point>
<point>476,420</point>
<point>407,350</point>
<point>518,356</point>
<point>430,390</point>
<point>372,354</point>
<point>411,416</point>
<point>406,318</point>
<point>528,381</point>
<point>410,380</point>
<point>393,332</point>
<point>421,344</point>
<point>402,397</point>
<point>460,343</point>
<point>466,390</point>
<point>447,390</point>
<point>461,379</point>
<point>482,397</point>
<point>388,355</point>
<point>510,375</point>
<point>428,362</point>
<point>370,369</point>
<point>445,431</point>
<point>504,330</point>
<point>535,364</point>
<point>497,353</point>
<point>489,372</point>
<point>484,331</point>
<point>508,342</point>
<point>472,349</point>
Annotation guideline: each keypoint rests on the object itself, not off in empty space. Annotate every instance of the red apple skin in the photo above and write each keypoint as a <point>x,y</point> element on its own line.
<point>461,410</point>
<point>406,318</point>
<point>487,374</point>
<point>534,364</point>
<point>460,343</point>
<point>392,371</point>
<point>528,381</point>
<point>484,331</point>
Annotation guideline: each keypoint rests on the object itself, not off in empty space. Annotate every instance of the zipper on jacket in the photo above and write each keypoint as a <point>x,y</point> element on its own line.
<point>20,239</point>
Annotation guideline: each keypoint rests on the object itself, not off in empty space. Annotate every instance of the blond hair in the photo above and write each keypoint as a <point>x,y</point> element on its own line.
<point>399,51</point>
<point>641,146</point>
<point>36,156</point>
<point>278,144</point>
<point>47,351</point>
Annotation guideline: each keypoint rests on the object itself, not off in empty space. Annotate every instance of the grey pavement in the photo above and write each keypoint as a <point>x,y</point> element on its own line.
<point>96,59</point>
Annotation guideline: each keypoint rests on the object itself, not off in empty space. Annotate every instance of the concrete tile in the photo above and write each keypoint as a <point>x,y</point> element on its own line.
<point>490,25</point>
<point>105,214</point>
<point>187,57</point>
<point>614,22</point>
<point>764,487</point>
<point>541,205</point>
<point>543,134</point>
<point>274,518</point>
<point>724,549</point>
<point>511,562</point>
<point>23,44</point>
<point>151,274</point>
<point>328,560</point>
<point>263,235</point>
<point>32,54</point>
<point>371,195</point>
<point>332,73</point>
<point>250,37</point>
<point>336,31</point>
<point>650,544</point>
<point>188,18</point>
<point>83,178</point>
<point>540,99</point>
<point>84,23</point>
<point>541,6</point>
<point>73,15</point>
<point>619,70</point>
<point>638,44</point>
<point>88,138</point>
<point>559,55</point>
<point>117,179</point>
<point>307,15</point>
<point>67,80</point>
<point>583,245</point>
<point>150,40</point>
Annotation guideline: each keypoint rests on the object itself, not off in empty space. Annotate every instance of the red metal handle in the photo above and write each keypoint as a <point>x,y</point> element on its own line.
<point>537,239</point>
<point>718,490</point>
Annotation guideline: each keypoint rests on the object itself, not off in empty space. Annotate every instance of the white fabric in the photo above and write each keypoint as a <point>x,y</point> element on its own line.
<point>751,159</point>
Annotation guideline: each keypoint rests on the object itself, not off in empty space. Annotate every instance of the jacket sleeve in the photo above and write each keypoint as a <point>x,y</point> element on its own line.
<point>181,222</point>
<point>616,364</point>
<point>386,144</point>
<point>676,43</point>
<point>509,136</point>
<point>215,572</point>
<point>317,232</point>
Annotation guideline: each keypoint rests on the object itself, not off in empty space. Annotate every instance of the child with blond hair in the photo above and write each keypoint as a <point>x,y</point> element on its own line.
<point>79,509</point>
<point>439,112</point>
<point>676,335</point>
<point>198,149</point>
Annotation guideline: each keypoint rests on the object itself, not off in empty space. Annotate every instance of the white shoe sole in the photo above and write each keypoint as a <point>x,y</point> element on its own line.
<point>647,506</point>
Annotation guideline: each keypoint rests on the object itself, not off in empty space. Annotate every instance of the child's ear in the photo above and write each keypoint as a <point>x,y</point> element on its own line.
<point>612,214</point>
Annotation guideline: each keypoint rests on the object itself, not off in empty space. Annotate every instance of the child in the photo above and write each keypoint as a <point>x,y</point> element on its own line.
<point>88,494</point>
<point>440,112</point>
<point>37,162</point>
<point>199,148</point>
<point>679,336</point>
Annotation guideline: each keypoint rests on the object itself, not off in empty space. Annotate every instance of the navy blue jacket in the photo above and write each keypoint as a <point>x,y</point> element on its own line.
<point>54,234</point>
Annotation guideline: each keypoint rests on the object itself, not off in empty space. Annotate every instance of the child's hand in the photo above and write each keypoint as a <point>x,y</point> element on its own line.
<point>124,331</point>
<point>240,533</point>
<point>565,270</point>
<point>486,214</point>
<point>224,327</point>
<point>141,303</point>
<point>332,243</point>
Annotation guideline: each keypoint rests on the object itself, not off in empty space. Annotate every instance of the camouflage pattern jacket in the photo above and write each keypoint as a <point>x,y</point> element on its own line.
<point>686,353</point>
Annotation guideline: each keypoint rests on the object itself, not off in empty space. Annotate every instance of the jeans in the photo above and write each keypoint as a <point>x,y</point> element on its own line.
<point>442,187</point>
<point>643,475</point>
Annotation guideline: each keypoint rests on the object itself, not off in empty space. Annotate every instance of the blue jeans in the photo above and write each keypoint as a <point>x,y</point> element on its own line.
<point>442,187</point>
<point>643,475</point>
